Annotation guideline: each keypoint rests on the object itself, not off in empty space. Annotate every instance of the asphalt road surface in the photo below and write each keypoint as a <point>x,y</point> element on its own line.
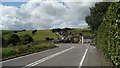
<point>66,55</point>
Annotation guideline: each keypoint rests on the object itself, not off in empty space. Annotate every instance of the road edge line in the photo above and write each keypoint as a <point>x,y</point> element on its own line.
<point>83,58</point>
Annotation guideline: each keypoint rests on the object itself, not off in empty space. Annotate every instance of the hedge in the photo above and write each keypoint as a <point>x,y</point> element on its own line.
<point>108,34</point>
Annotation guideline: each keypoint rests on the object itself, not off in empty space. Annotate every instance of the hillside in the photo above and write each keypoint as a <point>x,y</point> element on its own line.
<point>85,32</point>
<point>38,36</point>
<point>23,47</point>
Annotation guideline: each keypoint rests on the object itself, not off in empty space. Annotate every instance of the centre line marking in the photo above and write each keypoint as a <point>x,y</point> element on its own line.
<point>81,62</point>
<point>46,58</point>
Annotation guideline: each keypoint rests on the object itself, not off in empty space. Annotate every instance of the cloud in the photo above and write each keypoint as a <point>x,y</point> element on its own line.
<point>44,15</point>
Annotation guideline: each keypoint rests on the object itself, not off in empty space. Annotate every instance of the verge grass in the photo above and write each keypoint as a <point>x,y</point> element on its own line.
<point>11,52</point>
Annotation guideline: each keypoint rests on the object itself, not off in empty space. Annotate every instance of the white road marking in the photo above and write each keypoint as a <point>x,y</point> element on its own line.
<point>81,62</point>
<point>46,58</point>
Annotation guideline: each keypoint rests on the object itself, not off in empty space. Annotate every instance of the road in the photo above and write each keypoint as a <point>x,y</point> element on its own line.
<point>71,55</point>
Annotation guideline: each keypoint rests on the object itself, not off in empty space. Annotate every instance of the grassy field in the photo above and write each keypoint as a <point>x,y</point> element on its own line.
<point>18,50</point>
<point>38,36</point>
<point>85,32</point>
<point>5,32</point>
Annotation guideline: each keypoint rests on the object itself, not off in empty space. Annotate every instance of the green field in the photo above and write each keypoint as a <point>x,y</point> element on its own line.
<point>22,49</point>
<point>85,32</point>
<point>38,36</point>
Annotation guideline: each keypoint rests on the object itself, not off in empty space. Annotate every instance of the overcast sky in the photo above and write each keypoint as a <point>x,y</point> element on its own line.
<point>43,15</point>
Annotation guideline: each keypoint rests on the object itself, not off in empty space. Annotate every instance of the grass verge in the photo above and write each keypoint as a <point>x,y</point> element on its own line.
<point>12,52</point>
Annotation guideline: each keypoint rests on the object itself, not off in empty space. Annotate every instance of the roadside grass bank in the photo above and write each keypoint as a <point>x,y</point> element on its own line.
<point>16,51</point>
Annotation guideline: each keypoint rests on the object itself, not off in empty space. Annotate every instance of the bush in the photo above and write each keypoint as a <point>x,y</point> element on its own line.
<point>15,31</point>
<point>34,31</point>
<point>26,39</point>
<point>22,50</point>
<point>23,30</point>
<point>6,43</point>
<point>3,42</point>
<point>14,38</point>
<point>47,38</point>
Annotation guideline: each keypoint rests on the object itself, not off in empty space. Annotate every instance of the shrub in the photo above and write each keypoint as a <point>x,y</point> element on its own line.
<point>23,30</point>
<point>26,39</point>
<point>15,31</point>
<point>34,31</point>
<point>14,38</point>
<point>47,38</point>
<point>6,43</point>
<point>3,42</point>
<point>22,50</point>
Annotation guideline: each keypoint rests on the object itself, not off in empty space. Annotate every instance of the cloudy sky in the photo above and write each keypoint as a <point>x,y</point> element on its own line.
<point>43,14</point>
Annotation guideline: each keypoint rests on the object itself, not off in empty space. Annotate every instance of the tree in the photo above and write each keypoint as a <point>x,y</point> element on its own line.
<point>68,28</point>
<point>14,38</point>
<point>15,31</point>
<point>23,30</point>
<point>34,31</point>
<point>3,41</point>
<point>97,13</point>
<point>56,30</point>
<point>26,39</point>
<point>48,39</point>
